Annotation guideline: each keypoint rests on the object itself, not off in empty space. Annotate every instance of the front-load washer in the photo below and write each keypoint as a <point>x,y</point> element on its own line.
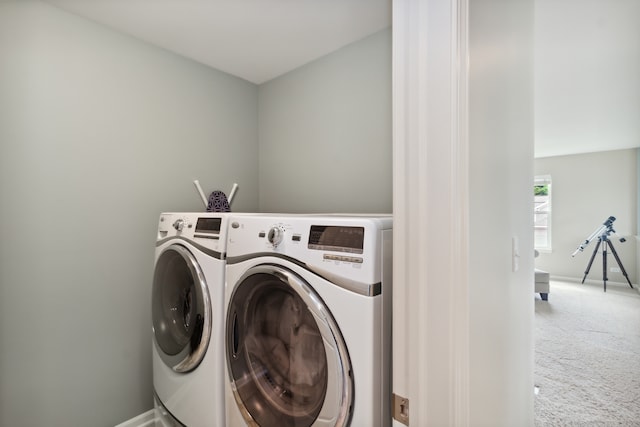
<point>308,321</point>
<point>188,319</point>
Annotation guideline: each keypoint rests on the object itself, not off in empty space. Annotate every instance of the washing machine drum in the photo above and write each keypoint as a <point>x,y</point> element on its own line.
<point>181,309</point>
<point>286,357</point>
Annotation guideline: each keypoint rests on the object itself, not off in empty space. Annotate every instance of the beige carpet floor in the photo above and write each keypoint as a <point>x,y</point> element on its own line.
<point>587,356</point>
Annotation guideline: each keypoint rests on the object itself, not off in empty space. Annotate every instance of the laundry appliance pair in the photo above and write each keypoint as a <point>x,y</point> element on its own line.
<point>272,320</point>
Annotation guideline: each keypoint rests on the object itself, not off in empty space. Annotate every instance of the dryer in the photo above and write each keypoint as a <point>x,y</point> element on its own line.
<point>188,319</point>
<point>308,321</point>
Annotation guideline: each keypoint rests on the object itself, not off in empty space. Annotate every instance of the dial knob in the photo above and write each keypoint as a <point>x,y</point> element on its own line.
<point>275,236</point>
<point>178,224</point>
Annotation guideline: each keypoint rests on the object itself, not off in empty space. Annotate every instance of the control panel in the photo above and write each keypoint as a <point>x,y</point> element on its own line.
<point>345,250</point>
<point>206,230</point>
<point>336,244</point>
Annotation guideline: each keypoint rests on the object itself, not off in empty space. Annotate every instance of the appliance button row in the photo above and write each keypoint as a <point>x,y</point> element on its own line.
<point>329,257</point>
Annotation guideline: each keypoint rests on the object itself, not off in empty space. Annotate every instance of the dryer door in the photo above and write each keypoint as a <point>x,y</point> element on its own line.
<point>287,360</point>
<point>181,309</point>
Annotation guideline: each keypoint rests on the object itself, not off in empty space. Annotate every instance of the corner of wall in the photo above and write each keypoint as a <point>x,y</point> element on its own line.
<point>638,218</point>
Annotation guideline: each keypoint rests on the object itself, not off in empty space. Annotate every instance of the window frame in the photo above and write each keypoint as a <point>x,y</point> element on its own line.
<point>537,181</point>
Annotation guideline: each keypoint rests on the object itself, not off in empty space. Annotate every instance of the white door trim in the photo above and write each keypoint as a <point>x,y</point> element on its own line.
<point>431,210</point>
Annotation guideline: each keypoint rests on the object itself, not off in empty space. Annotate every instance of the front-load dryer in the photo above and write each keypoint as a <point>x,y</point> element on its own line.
<point>308,321</point>
<point>188,319</point>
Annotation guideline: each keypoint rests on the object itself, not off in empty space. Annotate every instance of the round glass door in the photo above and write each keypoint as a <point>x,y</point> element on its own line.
<point>281,343</point>
<point>181,309</point>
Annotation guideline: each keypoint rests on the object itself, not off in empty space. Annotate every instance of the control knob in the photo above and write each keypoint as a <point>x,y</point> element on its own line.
<point>275,236</point>
<point>178,224</point>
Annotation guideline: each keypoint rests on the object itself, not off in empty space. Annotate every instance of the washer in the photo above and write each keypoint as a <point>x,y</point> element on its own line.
<point>308,321</point>
<point>188,319</point>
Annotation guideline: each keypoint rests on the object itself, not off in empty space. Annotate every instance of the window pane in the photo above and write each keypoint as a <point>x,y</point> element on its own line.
<point>541,230</point>
<point>542,212</point>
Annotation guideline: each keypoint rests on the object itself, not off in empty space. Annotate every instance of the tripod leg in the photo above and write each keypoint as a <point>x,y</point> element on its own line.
<point>604,265</point>
<point>595,251</point>
<point>615,255</point>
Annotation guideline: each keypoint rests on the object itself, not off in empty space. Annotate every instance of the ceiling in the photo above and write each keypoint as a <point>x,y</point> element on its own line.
<point>256,40</point>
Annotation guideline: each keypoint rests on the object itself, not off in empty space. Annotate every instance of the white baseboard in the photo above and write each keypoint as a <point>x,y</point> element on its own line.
<point>146,419</point>
<point>590,281</point>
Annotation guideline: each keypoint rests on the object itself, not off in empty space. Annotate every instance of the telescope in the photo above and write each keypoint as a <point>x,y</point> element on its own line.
<point>604,230</point>
<point>602,233</point>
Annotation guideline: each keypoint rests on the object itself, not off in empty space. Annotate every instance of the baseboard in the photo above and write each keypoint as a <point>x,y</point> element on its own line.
<point>146,419</point>
<point>591,281</point>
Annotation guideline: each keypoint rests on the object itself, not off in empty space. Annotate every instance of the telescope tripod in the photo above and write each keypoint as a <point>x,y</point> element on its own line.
<point>606,243</point>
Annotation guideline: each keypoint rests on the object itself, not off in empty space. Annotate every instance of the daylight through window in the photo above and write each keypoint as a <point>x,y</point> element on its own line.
<point>542,212</point>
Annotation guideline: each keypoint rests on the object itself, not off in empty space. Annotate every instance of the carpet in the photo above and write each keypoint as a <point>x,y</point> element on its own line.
<point>587,356</point>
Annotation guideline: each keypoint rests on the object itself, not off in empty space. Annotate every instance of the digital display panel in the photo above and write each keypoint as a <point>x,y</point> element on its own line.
<point>337,238</point>
<point>208,225</point>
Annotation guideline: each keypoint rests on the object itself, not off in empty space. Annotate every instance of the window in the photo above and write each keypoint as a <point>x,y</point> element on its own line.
<point>542,212</point>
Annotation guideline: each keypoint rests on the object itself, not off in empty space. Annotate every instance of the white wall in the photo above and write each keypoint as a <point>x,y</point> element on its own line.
<point>586,190</point>
<point>325,133</point>
<point>587,67</point>
<point>99,133</point>
<point>501,133</point>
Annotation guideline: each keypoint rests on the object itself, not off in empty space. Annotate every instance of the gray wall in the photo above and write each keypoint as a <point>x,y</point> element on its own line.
<point>99,133</point>
<point>586,190</point>
<point>325,133</point>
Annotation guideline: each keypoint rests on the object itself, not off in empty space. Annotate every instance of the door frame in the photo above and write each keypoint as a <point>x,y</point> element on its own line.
<point>430,168</point>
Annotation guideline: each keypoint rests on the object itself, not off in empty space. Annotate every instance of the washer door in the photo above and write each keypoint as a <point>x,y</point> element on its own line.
<point>181,309</point>
<point>287,360</point>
